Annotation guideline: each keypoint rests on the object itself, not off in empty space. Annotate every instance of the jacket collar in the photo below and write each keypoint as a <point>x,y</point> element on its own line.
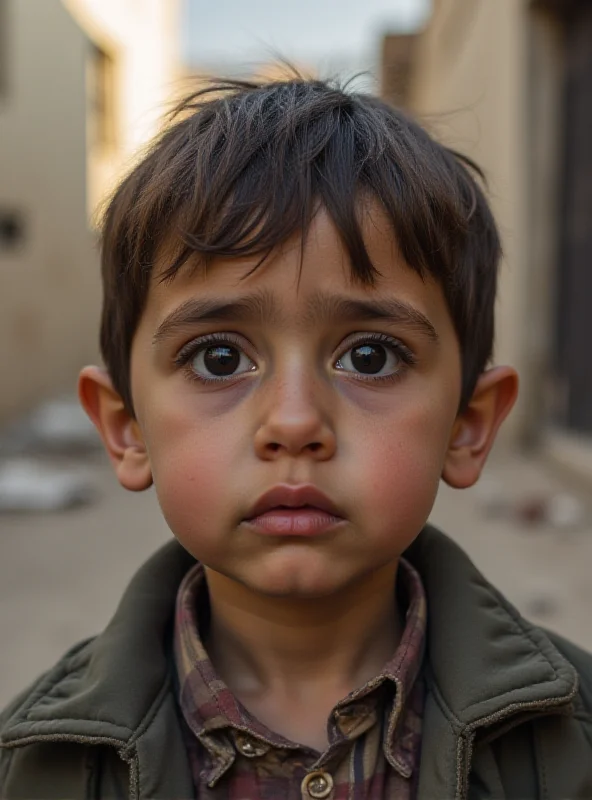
<point>486,661</point>
<point>107,687</point>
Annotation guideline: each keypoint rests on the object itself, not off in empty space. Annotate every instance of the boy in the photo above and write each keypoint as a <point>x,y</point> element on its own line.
<point>299,290</point>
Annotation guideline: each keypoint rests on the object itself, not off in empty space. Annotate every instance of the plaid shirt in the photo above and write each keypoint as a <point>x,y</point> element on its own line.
<point>374,733</point>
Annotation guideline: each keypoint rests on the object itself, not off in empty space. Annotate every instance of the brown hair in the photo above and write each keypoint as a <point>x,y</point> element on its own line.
<point>245,165</point>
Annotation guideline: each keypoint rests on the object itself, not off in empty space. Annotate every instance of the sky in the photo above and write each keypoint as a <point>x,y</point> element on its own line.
<point>309,32</point>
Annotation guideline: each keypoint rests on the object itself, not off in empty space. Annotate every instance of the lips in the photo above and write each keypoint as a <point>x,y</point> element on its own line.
<point>294,511</point>
<point>293,497</point>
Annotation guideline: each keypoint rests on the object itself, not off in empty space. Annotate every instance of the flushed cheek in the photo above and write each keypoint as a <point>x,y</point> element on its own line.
<point>192,470</point>
<point>398,475</point>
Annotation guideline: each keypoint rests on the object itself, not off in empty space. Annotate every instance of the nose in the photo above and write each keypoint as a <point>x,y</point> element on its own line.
<point>294,422</point>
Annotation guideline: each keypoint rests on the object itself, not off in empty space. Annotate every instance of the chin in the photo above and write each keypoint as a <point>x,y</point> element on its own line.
<point>298,580</point>
<point>292,591</point>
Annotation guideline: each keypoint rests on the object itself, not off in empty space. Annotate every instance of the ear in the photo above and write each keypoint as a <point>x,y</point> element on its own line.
<point>475,429</point>
<point>119,430</point>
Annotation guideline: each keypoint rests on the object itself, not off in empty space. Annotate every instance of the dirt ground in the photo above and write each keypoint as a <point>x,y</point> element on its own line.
<point>62,574</point>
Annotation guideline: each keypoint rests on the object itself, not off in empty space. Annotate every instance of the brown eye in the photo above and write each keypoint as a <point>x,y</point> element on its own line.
<point>220,361</point>
<point>375,359</point>
<point>368,358</point>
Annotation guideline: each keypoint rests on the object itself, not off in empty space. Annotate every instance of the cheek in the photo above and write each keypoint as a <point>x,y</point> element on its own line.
<point>399,465</point>
<point>192,469</point>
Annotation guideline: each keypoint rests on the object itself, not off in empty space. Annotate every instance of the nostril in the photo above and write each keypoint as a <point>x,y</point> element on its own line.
<point>312,447</point>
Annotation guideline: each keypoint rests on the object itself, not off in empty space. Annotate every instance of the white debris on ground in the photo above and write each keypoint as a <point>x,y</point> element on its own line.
<point>56,426</point>
<point>27,485</point>
<point>33,475</point>
<point>531,508</point>
<point>528,527</point>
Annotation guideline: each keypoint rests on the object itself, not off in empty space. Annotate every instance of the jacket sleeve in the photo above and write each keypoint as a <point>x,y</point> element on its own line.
<point>4,767</point>
<point>6,714</point>
<point>582,661</point>
<point>5,753</point>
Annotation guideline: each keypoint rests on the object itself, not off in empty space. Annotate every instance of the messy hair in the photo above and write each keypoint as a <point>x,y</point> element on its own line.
<point>245,165</point>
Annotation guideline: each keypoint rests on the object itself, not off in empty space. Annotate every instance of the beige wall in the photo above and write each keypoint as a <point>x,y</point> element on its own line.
<point>49,287</point>
<point>470,86</point>
<point>52,174</point>
<point>142,38</point>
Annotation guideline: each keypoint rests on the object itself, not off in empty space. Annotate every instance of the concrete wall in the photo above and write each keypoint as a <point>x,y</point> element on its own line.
<point>144,34</point>
<point>142,38</point>
<point>470,87</point>
<point>49,286</point>
<point>54,176</point>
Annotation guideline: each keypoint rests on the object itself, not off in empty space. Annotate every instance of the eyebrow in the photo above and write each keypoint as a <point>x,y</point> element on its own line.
<point>388,309</point>
<point>260,308</point>
<point>256,307</point>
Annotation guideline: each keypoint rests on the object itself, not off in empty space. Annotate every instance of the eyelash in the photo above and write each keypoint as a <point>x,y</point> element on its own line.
<point>407,357</point>
<point>190,350</point>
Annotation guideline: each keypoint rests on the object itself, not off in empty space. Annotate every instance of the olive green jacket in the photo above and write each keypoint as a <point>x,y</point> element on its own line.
<point>508,710</point>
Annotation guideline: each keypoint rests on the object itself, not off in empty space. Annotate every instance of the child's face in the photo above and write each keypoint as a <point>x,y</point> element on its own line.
<point>304,403</point>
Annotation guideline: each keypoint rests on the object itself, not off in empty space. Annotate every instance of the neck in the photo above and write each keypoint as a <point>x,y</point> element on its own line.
<point>286,646</point>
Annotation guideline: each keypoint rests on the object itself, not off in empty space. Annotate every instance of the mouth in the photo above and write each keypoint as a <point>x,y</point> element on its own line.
<point>294,511</point>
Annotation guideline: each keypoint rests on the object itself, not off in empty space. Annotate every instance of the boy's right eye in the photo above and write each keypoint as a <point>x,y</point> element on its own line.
<point>220,361</point>
<point>212,359</point>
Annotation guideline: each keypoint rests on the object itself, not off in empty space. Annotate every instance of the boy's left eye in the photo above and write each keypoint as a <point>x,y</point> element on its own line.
<point>375,359</point>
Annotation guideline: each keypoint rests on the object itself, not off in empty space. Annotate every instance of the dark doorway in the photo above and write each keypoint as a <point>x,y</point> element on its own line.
<point>573,363</point>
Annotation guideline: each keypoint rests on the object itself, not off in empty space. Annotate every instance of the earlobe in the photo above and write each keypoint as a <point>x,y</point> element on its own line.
<point>476,427</point>
<point>118,429</point>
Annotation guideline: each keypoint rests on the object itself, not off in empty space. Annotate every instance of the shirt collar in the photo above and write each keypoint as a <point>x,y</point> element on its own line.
<point>401,745</point>
<point>208,705</point>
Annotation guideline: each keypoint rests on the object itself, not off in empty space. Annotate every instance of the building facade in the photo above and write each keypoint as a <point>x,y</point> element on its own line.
<point>82,85</point>
<point>509,83</point>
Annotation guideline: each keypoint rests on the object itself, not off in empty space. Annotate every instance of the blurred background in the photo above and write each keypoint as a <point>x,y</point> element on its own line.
<point>83,87</point>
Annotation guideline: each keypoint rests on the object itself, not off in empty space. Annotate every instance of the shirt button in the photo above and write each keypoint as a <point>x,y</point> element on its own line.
<point>249,748</point>
<point>317,785</point>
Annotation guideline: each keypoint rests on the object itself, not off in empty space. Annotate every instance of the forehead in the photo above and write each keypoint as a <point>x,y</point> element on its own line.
<point>297,281</point>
